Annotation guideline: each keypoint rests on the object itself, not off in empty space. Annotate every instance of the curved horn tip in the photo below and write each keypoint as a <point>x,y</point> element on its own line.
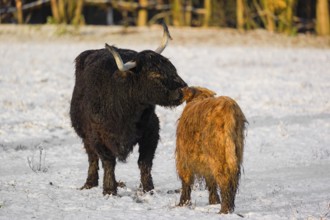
<point>110,48</point>
<point>166,31</point>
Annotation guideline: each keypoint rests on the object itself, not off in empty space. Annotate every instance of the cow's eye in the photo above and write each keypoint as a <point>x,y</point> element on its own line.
<point>156,75</point>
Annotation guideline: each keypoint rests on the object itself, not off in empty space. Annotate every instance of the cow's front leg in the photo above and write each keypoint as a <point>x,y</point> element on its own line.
<point>145,165</point>
<point>147,147</point>
<point>109,179</point>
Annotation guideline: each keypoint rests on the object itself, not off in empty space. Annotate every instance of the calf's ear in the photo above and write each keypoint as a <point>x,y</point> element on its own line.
<point>197,93</point>
<point>188,93</point>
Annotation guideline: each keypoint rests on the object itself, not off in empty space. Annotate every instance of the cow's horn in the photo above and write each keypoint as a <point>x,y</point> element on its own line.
<point>121,66</point>
<point>166,36</point>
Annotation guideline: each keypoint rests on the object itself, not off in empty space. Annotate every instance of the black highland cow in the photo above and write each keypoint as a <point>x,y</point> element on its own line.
<point>113,107</point>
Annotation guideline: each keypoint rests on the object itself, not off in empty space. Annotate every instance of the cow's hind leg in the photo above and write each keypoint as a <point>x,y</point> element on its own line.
<point>109,164</point>
<point>93,160</point>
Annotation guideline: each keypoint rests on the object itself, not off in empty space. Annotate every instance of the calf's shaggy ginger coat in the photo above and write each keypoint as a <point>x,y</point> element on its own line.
<point>210,142</point>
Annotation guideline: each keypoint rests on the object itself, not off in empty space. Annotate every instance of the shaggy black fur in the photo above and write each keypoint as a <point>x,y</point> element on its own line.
<point>112,110</point>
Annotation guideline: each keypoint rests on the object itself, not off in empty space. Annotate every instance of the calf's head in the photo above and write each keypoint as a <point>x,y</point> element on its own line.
<point>154,77</point>
<point>196,93</point>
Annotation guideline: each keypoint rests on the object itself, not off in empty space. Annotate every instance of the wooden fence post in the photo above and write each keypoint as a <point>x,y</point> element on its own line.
<point>207,15</point>
<point>110,20</point>
<point>176,9</point>
<point>54,8</point>
<point>240,14</point>
<point>143,13</point>
<point>19,11</point>
<point>322,18</point>
<point>289,16</point>
<point>78,17</point>
<point>187,13</point>
<point>62,11</point>
<point>270,21</point>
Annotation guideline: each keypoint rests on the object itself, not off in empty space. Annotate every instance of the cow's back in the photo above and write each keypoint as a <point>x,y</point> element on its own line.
<point>94,70</point>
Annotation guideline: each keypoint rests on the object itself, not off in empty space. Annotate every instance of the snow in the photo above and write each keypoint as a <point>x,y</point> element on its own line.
<point>283,91</point>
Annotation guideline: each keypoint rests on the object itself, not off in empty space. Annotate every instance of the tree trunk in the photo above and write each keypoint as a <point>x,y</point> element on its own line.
<point>78,17</point>
<point>240,14</point>
<point>270,22</point>
<point>143,13</point>
<point>110,20</point>
<point>62,11</point>
<point>54,7</point>
<point>176,12</point>
<point>207,15</point>
<point>322,18</point>
<point>289,15</point>
<point>187,13</point>
<point>218,15</point>
<point>19,11</point>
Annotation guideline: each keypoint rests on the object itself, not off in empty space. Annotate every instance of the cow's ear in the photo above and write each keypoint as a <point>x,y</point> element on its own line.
<point>122,76</point>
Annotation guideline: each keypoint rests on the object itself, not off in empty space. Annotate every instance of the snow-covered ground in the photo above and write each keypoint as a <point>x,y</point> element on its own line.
<point>283,91</point>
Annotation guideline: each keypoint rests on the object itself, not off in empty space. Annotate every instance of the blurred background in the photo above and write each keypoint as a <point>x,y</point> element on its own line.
<point>280,16</point>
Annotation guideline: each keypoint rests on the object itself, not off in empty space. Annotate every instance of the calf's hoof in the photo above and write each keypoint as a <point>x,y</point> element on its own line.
<point>184,203</point>
<point>225,210</point>
<point>214,199</point>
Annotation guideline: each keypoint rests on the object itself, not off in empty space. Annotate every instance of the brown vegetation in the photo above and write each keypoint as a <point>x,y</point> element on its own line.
<point>283,16</point>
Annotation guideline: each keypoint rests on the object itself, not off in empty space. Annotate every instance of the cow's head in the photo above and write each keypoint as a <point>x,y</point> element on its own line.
<point>156,80</point>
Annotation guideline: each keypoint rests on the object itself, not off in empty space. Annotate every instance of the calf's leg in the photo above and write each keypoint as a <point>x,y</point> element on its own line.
<point>228,194</point>
<point>185,198</point>
<point>187,178</point>
<point>213,193</point>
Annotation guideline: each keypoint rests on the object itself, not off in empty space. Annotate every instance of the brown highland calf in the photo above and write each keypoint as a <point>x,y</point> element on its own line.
<point>210,144</point>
